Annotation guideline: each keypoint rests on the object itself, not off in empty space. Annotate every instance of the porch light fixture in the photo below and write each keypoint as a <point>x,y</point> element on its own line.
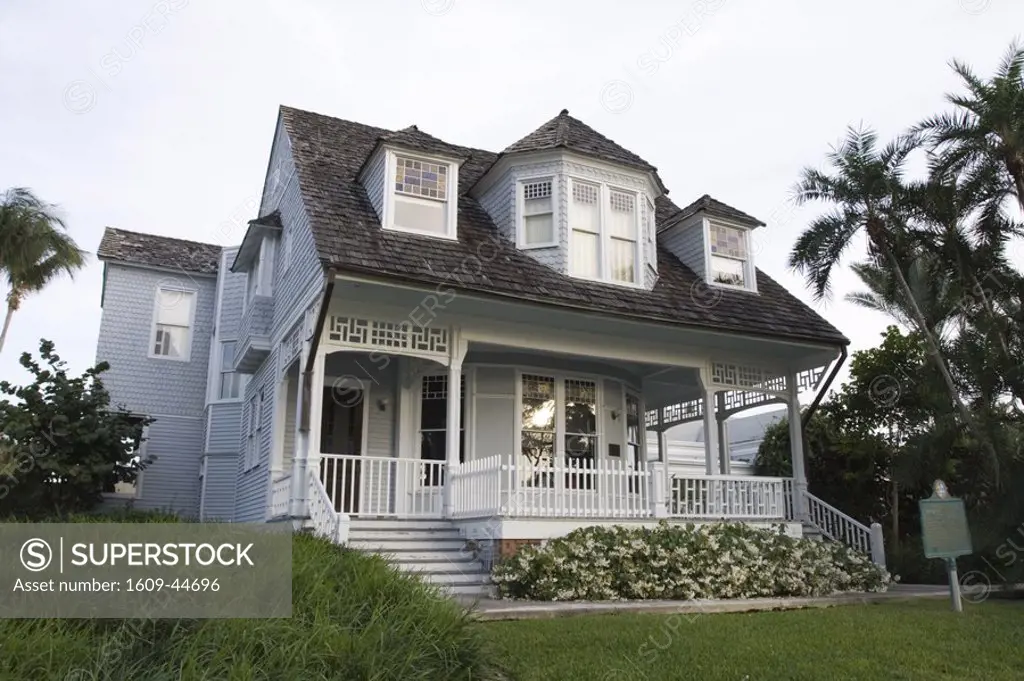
<point>615,414</point>
<point>382,404</point>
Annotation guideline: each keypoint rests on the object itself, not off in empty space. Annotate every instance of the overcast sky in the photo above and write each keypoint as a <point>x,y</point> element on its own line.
<point>158,116</point>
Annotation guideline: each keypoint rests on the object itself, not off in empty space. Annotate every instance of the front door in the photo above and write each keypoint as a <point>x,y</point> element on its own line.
<point>341,432</point>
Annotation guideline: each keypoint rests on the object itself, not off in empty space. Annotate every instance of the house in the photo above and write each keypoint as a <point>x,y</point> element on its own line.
<point>743,434</point>
<point>415,344</point>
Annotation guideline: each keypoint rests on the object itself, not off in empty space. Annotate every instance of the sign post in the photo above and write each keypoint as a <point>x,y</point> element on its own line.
<point>945,534</point>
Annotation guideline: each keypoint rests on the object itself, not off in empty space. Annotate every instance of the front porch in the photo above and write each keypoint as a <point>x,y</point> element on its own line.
<point>562,428</point>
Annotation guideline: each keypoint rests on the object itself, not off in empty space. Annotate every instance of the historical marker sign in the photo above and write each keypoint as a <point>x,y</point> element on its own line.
<point>944,527</point>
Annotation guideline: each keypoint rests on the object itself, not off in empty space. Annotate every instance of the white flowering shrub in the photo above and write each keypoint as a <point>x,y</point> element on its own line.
<point>682,562</point>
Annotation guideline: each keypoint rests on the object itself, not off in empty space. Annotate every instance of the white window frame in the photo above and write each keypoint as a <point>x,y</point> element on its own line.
<point>451,197</point>
<point>222,370</point>
<point>254,430</point>
<point>187,354</point>
<point>286,248</point>
<point>263,272</point>
<point>650,229</point>
<point>604,238</point>
<point>749,271</point>
<point>560,378</point>
<point>521,212</point>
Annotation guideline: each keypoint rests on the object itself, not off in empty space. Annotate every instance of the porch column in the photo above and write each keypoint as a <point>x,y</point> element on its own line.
<point>796,445</point>
<point>723,440</point>
<point>456,355</point>
<point>316,399</point>
<point>711,453</point>
<point>300,485</point>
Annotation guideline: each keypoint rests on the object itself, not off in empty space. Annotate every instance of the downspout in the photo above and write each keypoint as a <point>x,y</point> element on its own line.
<point>806,416</point>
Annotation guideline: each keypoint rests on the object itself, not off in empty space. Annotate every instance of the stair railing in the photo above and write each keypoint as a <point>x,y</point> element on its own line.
<point>838,526</point>
<point>326,521</point>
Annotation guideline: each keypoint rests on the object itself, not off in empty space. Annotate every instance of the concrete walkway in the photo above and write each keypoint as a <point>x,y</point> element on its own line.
<point>489,609</point>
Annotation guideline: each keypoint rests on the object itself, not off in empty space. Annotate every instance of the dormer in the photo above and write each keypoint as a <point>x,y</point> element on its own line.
<point>412,180</point>
<point>256,256</point>
<point>715,241</point>
<point>577,202</point>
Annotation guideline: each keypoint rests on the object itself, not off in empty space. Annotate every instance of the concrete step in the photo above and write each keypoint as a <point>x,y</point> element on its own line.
<point>424,556</point>
<point>373,534</point>
<point>389,545</point>
<point>471,567</point>
<point>455,578</point>
<point>401,524</point>
<point>470,591</point>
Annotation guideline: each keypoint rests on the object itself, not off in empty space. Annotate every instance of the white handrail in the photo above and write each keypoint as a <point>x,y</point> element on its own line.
<point>327,522</point>
<point>836,525</point>
<point>602,489</point>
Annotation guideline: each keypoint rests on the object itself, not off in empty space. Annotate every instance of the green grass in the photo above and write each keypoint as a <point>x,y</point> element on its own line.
<point>898,641</point>
<point>354,617</point>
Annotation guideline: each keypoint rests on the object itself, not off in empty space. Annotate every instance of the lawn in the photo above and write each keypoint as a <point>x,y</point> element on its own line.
<point>918,640</point>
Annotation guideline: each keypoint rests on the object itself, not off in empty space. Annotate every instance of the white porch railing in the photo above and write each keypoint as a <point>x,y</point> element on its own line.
<point>280,496</point>
<point>607,489</point>
<point>326,521</point>
<point>476,488</point>
<point>383,486</point>
<point>728,497</point>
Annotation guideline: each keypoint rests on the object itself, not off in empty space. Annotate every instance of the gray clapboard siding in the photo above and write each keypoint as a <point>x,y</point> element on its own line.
<point>171,482</point>
<point>686,242</point>
<point>225,428</point>
<point>219,487</point>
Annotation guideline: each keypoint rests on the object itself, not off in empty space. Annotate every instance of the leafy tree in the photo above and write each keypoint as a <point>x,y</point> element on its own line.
<point>866,193</point>
<point>34,248</point>
<point>62,445</point>
<point>984,134</point>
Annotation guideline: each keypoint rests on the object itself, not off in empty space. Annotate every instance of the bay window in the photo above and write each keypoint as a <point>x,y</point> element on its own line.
<point>604,233</point>
<point>536,203</point>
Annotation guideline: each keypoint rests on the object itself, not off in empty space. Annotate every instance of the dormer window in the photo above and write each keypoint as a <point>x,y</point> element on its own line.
<point>423,195</point>
<point>604,233</point>
<point>536,201</point>
<point>729,256</point>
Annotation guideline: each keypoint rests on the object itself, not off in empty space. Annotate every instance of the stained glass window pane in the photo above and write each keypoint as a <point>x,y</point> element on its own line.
<point>421,178</point>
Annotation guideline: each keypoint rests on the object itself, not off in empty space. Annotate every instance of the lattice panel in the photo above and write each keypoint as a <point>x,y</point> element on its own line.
<point>810,379</point>
<point>737,400</point>
<point>746,376</point>
<point>396,337</point>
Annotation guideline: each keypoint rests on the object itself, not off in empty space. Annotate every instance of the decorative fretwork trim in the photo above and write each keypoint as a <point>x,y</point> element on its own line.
<point>400,338</point>
<point>735,400</point>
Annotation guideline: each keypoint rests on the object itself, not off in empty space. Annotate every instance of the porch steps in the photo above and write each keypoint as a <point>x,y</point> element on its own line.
<point>432,549</point>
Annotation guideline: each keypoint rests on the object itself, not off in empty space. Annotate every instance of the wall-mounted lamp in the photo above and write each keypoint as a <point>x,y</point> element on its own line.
<point>615,414</point>
<point>382,404</point>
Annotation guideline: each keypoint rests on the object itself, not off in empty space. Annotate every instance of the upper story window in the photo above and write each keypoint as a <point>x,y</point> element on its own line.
<point>536,201</point>
<point>423,195</point>
<point>729,256</point>
<point>171,337</point>
<point>260,278</point>
<point>232,384</point>
<point>604,239</point>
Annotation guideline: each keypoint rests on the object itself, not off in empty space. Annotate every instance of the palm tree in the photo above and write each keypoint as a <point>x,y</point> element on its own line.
<point>985,133</point>
<point>867,194</point>
<point>34,248</point>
